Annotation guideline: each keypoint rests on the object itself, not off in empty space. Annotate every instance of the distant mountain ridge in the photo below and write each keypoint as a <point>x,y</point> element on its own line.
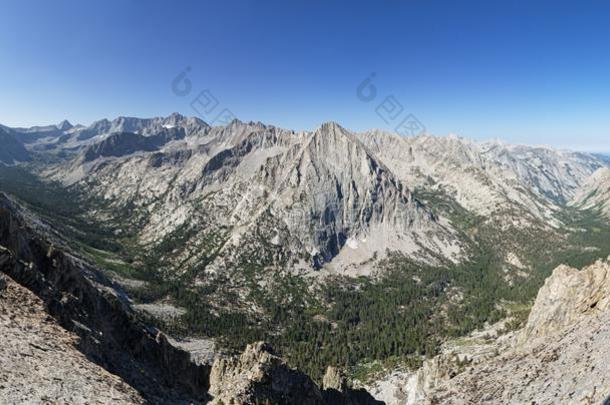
<point>327,195</point>
<point>12,150</point>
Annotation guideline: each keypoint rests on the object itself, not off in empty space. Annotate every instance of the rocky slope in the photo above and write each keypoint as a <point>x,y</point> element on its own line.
<point>595,193</point>
<point>326,198</point>
<point>66,138</point>
<point>89,306</point>
<point>12,150</point>
<point>560,356</point>
<point>316,195</point>
<point>564,353</point>
<point>40,361</point>
<point>567,297</point>
<point>70,335</point>
<point>486,178</point>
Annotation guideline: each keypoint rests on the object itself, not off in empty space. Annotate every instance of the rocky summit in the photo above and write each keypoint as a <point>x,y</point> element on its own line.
<point>167,260</point>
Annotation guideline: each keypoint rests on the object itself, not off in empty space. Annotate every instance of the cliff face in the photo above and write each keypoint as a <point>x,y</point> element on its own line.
<point>567,297</point>
<point>260,375</point>
<point>594,193</point>
<point>40,360</point>
<point>87,304</point>
<point>561,356</point>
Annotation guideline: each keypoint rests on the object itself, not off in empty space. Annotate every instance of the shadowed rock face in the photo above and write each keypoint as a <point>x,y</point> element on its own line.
<point>594,194</point>
<point>259,376</point>
<point>40,361</point>
<point>127,143</point>
<point>85,302</point>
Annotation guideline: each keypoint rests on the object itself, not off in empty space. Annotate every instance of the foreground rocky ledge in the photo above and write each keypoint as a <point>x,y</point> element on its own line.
<point>561,356</point>
<point>40,361</point>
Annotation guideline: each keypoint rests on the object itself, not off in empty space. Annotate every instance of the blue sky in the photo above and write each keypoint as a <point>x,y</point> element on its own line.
<point>523,71</point>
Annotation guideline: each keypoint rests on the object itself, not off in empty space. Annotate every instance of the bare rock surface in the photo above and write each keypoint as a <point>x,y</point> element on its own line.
<point>562,356</point>
<point>259,375</point>
<point>571,369</point>
<point>568,296</point>
<point>39,360</point>
<point>79,299</point>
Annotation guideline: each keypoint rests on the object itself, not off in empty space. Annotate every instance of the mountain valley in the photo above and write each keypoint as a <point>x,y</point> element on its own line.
<point>364,252</point>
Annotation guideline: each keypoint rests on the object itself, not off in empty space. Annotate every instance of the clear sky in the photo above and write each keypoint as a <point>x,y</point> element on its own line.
<point>535,72</point>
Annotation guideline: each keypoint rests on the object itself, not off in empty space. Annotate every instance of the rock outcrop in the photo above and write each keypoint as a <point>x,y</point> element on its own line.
<point>260,376</point>
<point>567,297</point>
<point>562,355</point>
<point>334,379</point>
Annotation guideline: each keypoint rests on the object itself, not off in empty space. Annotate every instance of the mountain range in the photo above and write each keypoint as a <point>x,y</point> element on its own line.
<point>226,235</point>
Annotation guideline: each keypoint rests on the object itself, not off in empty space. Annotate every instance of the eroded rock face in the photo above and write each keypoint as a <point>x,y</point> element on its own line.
<point>570,367</point>
<point>567,297</point>
<point>258,375</point>
<point>561,356</point>
<point>40,361</point>
<point>595,192</point>
<point>87,304</point>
